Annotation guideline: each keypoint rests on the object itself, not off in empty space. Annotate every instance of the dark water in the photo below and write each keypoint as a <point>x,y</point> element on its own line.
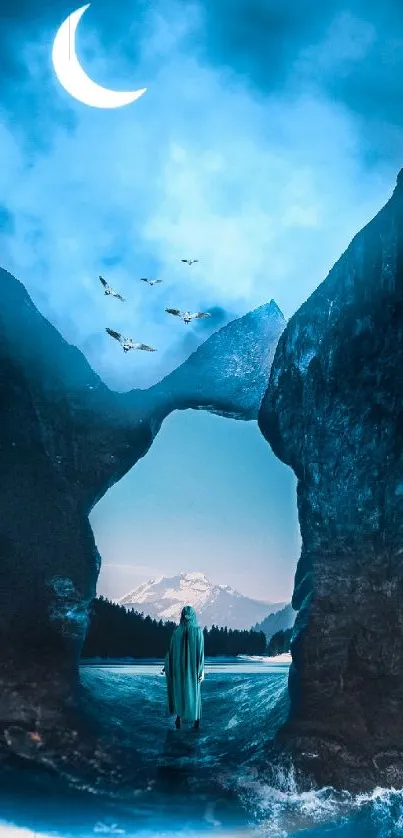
<point>154,780</point>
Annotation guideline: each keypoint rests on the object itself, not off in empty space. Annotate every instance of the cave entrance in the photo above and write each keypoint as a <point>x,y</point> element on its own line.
<point>209,497</point>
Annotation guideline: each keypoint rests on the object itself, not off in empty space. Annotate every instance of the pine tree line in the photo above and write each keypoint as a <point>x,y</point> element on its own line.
<point>115,632</point>
<point>280,642</point>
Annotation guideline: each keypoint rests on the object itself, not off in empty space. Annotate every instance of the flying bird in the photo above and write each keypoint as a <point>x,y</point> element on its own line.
<point>150,281</point>
<point>187,316</point>
<point>189,261</point>
<point>109,291</point>
<point>127,343</point>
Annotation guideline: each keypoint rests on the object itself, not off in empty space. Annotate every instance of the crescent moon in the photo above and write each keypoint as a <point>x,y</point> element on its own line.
<point>72,76</point>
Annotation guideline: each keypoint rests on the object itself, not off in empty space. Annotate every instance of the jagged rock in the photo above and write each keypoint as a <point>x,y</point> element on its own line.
<point>65,438</point>
<point>333,411</point>
<point>228,373</point>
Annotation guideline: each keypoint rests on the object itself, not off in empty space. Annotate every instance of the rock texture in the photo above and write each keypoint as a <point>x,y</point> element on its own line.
<point>333,411</point>
<point>65,438</point>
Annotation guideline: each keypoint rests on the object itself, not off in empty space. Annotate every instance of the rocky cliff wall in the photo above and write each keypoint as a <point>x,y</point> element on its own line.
<point>333,411</point>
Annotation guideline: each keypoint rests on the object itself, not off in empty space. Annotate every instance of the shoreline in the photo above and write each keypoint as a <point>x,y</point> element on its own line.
<point>284,658</point>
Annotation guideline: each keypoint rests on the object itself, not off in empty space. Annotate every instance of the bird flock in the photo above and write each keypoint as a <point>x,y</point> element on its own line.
<point>128,343</point>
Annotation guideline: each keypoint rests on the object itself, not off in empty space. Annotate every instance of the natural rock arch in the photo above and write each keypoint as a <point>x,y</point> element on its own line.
<point>332,411</point>
<point>65,439</point>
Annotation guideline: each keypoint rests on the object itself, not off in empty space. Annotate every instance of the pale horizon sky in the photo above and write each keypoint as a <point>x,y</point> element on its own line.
<point>193,504</point>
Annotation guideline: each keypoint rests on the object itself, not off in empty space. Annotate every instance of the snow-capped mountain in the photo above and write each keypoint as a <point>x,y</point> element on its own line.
<point>163,599</point>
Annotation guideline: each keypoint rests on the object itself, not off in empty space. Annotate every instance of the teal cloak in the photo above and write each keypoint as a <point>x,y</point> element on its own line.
<point>184,668</point>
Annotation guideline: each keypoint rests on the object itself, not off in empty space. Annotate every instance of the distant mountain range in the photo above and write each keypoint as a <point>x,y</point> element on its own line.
<point>163,599</point>
<point>279,621</point>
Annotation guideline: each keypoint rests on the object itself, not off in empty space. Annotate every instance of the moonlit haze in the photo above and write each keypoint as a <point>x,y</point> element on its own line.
<point>263,143</point>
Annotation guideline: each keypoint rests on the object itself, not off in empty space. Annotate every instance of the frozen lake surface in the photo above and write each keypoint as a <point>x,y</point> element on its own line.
<point>241,665</point>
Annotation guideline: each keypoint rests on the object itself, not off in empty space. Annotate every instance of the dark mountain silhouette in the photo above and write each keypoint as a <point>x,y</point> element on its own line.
<point>280,620</point>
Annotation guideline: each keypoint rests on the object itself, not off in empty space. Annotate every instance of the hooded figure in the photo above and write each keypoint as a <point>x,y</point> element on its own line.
<point>184,669</point>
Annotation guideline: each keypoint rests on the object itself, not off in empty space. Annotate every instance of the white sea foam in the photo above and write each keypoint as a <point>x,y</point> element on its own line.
<point>282,811</point>
<point>9,831</point>
<point>284,658</point>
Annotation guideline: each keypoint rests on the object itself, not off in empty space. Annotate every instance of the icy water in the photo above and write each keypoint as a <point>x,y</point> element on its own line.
<point>185,783</point>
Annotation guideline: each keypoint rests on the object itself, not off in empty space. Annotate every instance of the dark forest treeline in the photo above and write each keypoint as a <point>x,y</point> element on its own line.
<point>280,642</point>
<point>115,632</point>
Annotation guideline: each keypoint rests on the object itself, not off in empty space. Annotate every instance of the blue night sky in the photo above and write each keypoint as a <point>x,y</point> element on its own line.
<point>270,133</point>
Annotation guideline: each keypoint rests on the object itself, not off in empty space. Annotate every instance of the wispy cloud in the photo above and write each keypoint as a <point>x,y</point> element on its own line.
<point>346,43</point>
